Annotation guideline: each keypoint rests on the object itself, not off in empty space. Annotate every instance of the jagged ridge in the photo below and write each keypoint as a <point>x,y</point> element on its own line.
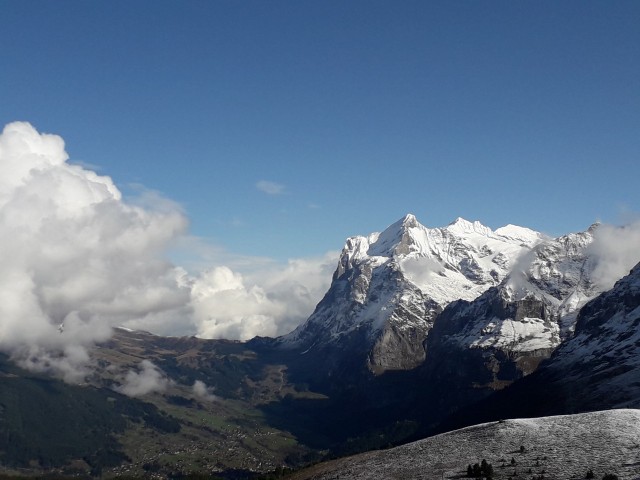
<point>484,345</point>
<point>389,286</point>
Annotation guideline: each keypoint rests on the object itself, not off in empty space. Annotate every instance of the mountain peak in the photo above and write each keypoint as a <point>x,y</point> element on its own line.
<point>593,227</point>
<point>402,225</point>
<point>409,220</point>
<point>397,238</point>
<point>523,234</point>
<point>462,226</point>
<point>391,285</point>
<point>460,221</point>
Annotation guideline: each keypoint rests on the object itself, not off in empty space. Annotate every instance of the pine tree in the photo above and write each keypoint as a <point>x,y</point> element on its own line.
<point>486,469</point>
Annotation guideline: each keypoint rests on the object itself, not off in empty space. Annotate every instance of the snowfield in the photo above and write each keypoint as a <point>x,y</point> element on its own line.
<point>408,265</point>
<point>561,447</point>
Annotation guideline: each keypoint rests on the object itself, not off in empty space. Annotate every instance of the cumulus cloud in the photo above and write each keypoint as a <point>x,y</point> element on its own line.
<point>617,250</point>
<point>73,252</point>
<point>148,379</point>
<point>271,188</point>
<point>201,391</point>
<point>268,302</point>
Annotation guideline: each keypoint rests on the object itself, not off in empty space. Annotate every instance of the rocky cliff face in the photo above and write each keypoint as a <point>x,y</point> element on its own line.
<point>486,344</point>
<point>601,362</point>
<point>389,287</point>
<point>598,368</point>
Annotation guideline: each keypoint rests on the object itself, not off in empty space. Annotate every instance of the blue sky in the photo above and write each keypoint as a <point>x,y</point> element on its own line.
<point>350,113</point>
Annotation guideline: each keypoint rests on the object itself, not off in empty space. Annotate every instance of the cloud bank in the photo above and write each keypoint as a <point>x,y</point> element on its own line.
<point>73,252</point>
<point>268,302</point>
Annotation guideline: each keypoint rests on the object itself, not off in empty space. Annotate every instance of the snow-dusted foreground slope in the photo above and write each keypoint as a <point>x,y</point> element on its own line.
<point>562,447</point>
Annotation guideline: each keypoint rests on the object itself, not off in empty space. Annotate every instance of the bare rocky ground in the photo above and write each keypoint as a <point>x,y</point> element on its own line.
<point>561,447</point>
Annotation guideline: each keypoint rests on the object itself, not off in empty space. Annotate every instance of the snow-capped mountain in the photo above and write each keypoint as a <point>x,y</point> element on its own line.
<point>389,287</point>
<point>598,368</point>
<point>505,333</point>
<point>601,362</point>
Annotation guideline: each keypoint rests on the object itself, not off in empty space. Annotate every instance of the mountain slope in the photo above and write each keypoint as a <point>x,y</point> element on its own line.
<point>598,368</point>
<point>604,354</point>
<point>486,344</point>
<point>557,447</point>
<point>389,287</point>
<point>79,430</point>
<point>601,363</point>
<point>200,412</point>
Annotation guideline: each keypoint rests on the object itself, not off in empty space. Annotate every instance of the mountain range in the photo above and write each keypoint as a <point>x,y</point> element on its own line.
<point>422,330</point>
<point>437,298</point>
<point>389,288</point>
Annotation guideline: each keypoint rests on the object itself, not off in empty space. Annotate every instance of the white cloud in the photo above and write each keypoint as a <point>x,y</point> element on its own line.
<point>148,379</point>
<point>201,391</point>
<point>71,363</point>
<point>271,188</point>
<point>270,301</point>
<point>617,250</point>
<point>238,222</point>
<point>73,251</point>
